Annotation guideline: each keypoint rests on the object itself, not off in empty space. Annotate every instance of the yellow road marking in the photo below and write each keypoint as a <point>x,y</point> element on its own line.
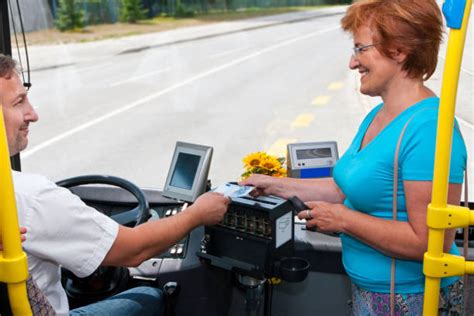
<point>321,100</point>
<point>336,85</point>
<point>302,120</point>
<point>279,147</point>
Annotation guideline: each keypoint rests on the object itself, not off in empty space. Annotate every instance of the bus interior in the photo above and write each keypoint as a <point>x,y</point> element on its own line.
<point>122,119</point>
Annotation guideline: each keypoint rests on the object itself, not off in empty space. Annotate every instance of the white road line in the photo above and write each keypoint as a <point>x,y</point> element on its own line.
<point>149,74</point>
<point>142,101</point>
<point>227,52</point>
<point>95,67</point>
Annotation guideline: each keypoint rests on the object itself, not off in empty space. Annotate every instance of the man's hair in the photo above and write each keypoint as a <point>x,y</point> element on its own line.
<point>413,27</point>
<point>7,66</point>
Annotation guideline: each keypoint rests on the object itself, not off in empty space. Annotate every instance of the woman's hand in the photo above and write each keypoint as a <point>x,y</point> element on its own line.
<point>264,185</point>
<point>326,217</point>
<point>319,189</point>
<point>22,236</point>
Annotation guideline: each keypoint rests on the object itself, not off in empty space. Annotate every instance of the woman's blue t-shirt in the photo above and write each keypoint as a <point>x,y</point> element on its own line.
<point>366,178</point>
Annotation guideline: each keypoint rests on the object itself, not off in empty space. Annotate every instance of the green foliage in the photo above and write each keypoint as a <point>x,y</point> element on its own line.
<point>68,16</point>
<point>183,11</point>
<point>131,11</point>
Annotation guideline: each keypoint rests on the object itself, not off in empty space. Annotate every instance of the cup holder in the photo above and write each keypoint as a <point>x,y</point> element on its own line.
<point>292,269</point>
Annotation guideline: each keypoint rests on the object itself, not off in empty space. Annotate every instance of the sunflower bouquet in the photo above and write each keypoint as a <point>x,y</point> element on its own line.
<point>262,163</point>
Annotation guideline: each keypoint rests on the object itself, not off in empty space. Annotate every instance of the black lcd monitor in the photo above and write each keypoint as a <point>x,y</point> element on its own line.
<point>189,169</point>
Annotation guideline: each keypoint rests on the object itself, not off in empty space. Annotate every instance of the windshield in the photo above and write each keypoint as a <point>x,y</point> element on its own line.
<point>118,105</point>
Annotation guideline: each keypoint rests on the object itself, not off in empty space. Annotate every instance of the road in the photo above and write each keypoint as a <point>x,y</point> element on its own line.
<point>105,108</point>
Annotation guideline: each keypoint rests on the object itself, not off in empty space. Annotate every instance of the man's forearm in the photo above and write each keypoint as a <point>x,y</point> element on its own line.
<point>135,245</point>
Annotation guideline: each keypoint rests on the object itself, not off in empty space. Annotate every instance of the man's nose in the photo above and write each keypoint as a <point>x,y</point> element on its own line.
<point>31,114</point>
<point>354,62</point>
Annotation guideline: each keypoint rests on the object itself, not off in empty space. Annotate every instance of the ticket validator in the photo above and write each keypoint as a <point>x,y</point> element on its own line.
<point>311,160</point>
<point>254,235</point>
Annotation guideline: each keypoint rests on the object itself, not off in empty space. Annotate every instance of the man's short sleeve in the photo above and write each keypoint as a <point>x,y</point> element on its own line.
<point>61,228</point>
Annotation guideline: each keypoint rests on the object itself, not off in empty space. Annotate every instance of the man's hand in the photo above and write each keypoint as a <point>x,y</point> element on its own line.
<point>210,208</point>
<point>23,237</point>
<point>134,245</point>
<point>22,233</point>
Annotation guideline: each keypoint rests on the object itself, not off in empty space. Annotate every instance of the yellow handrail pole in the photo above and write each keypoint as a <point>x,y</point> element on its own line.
<point>13,262</point>
<point>443,153</point>
<point>470,267</point>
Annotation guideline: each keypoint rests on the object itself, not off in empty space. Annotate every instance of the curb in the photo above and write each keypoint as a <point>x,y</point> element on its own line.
<point>198,38</point>
<point>185,38</point>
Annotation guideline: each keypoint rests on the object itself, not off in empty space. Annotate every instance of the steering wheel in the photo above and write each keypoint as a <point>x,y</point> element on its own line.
<point>133,217</point>
<point>105,281</point>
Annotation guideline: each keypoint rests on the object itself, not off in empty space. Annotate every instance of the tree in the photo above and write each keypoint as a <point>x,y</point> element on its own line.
<point>183,11</point>
<point>69,18</point>
<point>131,11</point>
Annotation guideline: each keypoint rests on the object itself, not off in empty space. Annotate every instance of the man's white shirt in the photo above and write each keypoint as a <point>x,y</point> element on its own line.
<point>61,231</point>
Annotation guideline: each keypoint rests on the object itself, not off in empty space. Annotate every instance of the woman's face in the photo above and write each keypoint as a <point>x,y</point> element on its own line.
<point>377,72</point>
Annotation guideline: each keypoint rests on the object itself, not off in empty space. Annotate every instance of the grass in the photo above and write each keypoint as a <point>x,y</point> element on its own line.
<point>157,24</point>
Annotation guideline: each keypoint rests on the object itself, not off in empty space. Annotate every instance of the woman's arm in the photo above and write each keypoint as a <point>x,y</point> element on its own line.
<point>406,240</point>
<point>322,189</point>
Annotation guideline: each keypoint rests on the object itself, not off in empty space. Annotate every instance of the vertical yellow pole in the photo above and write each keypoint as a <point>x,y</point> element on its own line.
<point>12,259</point>
<point>443,151</point>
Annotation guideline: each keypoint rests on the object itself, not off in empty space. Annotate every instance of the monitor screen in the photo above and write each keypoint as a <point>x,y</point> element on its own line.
<point>324,152</point>
<point>185,171</point>
<point>189,169</point>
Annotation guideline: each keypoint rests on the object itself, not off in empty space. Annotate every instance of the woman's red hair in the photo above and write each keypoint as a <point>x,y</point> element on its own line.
<point>413,27</point>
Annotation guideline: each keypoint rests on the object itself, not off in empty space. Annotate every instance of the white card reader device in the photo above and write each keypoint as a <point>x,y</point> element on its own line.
<point>311,160</point>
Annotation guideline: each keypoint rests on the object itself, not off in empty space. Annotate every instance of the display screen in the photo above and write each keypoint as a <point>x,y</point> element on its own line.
<point>185,171</point>
<point>313,153</point>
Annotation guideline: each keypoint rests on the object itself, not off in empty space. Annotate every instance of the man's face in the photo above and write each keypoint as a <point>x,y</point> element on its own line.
<point>17,111</point>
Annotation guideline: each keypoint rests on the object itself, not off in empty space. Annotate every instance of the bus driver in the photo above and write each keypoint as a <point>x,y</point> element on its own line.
<point>63,231</point>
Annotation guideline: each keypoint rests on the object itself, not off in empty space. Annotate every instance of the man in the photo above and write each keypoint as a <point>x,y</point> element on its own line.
<point>63,231</point>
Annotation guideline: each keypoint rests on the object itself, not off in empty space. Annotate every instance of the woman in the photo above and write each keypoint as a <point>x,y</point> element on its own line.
<point>396,44</point>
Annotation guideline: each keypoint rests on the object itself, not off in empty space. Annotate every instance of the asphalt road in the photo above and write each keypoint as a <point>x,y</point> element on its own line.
<point>122,113</point>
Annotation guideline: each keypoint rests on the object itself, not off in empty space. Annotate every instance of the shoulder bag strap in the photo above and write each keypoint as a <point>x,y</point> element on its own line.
<point>395,206</point>
<point>394,210</point>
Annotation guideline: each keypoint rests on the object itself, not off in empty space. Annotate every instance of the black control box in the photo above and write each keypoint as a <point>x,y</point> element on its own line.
<point>253,236</point>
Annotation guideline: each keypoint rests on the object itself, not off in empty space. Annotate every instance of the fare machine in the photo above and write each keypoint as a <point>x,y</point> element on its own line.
<point>255,240</point>
<point>311,160</point>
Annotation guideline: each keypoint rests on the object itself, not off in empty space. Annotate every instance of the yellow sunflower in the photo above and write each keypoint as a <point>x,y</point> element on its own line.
<point>280,173</point>
<point>262,163</point>
<point>253,159</point>
<point>270,163</point>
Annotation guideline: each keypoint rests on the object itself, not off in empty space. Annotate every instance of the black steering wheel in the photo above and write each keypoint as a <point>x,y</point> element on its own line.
<point>105,281</point>
<point>133,217</point>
